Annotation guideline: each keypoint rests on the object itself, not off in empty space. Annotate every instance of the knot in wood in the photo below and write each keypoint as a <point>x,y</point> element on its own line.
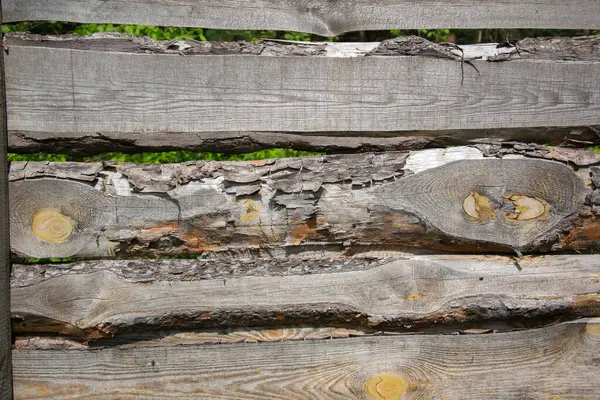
<point>49,225</point>
<point>386,387</point>
<point>478,207</point>
<point>527,208</point>
<point>58,223</point>
<point>508,202</point>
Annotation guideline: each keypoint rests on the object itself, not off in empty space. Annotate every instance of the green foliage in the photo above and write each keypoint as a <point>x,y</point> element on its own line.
<point>37,157</point>
<point>44,260</point>
<point>435,35</point>
<point>155,32</point>
<point>165,157</point>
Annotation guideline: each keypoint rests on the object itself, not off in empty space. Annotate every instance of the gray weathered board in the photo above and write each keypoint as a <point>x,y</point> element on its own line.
<point>461,199</point>
<point>5,327</point>
<point>559,362</point>
<point>104,94</point>
<point>101,299</point>
<point>317,16</point>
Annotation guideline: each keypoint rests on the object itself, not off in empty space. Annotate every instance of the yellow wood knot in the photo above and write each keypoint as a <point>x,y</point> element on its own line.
<point>275,334</point>
<point>413,297</point>
<point>51,226</point>
<point>592,327</point>
<point>250,210</point>
<point>386,387</point>
<point>527,208</point>
<point>478,207</point>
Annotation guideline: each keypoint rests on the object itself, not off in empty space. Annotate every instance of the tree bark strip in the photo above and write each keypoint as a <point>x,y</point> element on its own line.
<point>88,95</point>
<point>458,200</point>
<point>556,361</point>
<point>321,17</point>
<point>100,299</point>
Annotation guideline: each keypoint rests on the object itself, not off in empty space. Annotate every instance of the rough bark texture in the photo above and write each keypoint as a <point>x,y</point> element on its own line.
<point>113,92</point>
<point>100,299</point>
<point>322,17</point>
<point>584,48</point>
<point>560,361</point>
<point>311,207</point>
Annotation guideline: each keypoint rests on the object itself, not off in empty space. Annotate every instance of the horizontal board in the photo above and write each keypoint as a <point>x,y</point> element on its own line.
<point>321,17</point>
<point>560,361</point>
<point>68,99</point>
<point>98,300</point>
<point>459,199</point>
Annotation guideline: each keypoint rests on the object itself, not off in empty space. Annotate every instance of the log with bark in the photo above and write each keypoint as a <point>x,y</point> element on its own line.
<point>106,299</point>
<point>514,199</point>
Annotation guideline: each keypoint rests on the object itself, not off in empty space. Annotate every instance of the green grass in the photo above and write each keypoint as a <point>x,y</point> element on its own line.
<point>165,157</point>
<point>43,260</point>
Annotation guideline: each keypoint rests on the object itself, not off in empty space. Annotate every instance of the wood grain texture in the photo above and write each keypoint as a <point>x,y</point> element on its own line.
<point>204,336</point>
<point>5,327</point>
<point>412,294</point>
<point>560,361</point>
<point>307,207</point>
<point>321,17</point>
<point>84,101</point>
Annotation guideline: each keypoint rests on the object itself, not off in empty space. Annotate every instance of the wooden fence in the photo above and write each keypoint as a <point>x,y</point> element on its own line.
<point>455,263</point>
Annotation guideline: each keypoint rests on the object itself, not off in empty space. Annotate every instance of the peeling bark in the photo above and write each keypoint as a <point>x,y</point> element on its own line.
<point>306,207</point>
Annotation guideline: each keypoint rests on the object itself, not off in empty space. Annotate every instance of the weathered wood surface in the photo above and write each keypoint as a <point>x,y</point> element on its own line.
<point>5,326</point>
<point>560,361</point>
<point>100,299</point>
<point>321,17</point>
<point>220,335</point>
<point>310,207</point>
<point>98,94</point>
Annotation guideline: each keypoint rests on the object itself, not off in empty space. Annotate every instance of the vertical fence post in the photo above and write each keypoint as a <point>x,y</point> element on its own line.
<point>5,328</point>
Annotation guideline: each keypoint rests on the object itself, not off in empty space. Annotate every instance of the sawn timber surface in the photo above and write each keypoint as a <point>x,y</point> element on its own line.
<point>322,17</point>
<point>559,361</point>
<point>103,94</point>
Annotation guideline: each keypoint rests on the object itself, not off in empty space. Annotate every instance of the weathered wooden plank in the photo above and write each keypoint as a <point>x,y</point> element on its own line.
<point>559,361</point>
<point>5,327</point>
<point>96,301</point>
<point>309,207</point>
<point>85,101</point>
<point>321,17</point>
